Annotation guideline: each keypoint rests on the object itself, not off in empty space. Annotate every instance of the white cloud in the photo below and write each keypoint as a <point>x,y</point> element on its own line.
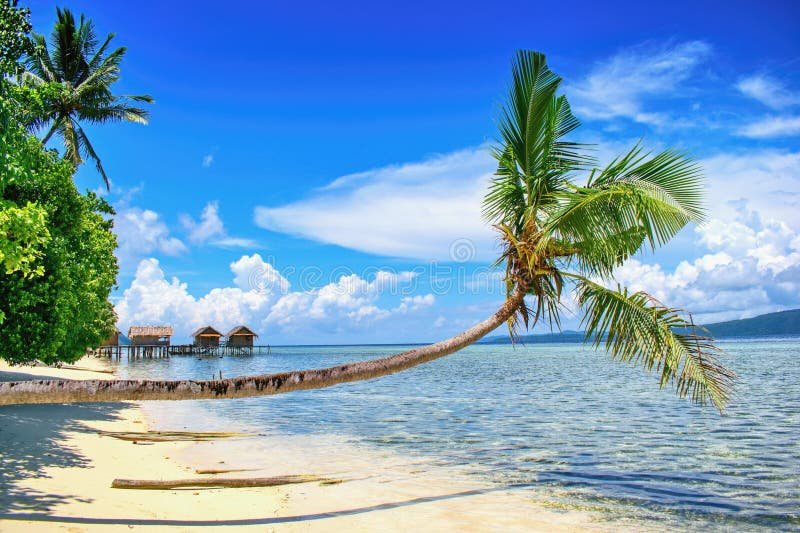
<point>726,283</point>
<point>769,91</point>
<point>236,242</point>
<point>751,263</point>
<point>210,229</point>
<point>409,304</point>
<point>209,226</point>
<point>776,126</point>
<point>252,273</point>
<point>208,160</point>
<point>416,210</point>
<point>619,87</point>
<point>768,180</point>
<point>141,232</point>
<point>261,297</point>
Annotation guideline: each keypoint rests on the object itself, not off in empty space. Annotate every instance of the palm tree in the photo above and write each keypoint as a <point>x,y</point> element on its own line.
<point>557,235</point>
<point>85,74</point>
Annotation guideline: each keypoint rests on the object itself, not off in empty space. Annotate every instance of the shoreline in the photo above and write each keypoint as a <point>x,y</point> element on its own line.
<point>379,489</point>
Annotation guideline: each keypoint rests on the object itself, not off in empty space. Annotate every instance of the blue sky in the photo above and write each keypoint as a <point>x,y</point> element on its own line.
<point>346,145</point>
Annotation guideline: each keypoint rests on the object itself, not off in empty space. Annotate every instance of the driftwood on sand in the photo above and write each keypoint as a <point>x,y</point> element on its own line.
<point>85,369</point>
<point>165,484</point>
<point>222,470</point>
<point>170,436</point>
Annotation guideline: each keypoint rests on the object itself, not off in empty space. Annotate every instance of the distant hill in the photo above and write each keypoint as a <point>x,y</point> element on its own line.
<point>564,336</point>
<point>770,325</point>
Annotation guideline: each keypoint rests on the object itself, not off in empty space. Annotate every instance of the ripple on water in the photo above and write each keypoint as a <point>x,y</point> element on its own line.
<point>580,431</point>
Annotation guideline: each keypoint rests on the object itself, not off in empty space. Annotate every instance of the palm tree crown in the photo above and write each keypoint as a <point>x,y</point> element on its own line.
<point>75,59</point>
<point>557,232</point>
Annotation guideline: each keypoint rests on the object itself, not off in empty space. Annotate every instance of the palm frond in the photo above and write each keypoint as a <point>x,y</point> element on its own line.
<point>636,328</point>
<point>40,63</point>
<point>119,111</point>
<point>600,255</point>
<point>88,150</point>
<point>146,98</point>
<point>30,78</point>
<point>505,201</point>
<point>677,176</point>
<point>535,118</point>
<point>98,56</point>
<point>633,196</point>
<point>104,74</point>
<point>56,126</point>
<point>533,158</point>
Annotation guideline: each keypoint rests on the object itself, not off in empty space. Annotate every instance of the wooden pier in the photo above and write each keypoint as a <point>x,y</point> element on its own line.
<point>154,342</point>
<point>160,351</point>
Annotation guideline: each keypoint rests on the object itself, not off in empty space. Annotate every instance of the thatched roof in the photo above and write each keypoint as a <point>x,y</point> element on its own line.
<point>241,330</point>
<point>207,331</point>
<point>150,331</point>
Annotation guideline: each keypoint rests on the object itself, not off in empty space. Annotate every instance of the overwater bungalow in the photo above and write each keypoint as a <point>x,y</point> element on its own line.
<point>112,340</point>
<point>241,336</point>
<point>150,335</point>
<point>206,336</point>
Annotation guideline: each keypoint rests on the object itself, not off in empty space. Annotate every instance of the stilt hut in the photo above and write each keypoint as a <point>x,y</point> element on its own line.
<point>206,336</point>
<point>112,340</point>
<point>150,335</point>
<point>241,336</point>
<point>109,347</point>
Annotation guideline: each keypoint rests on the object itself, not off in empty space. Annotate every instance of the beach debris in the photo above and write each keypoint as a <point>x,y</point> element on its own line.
<point>165,484</point>
<point>222,470</point>
<point>170,436</point>
<point>85,369</point>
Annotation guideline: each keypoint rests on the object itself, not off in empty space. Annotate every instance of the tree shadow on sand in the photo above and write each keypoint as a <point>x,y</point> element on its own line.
<point>32,439</point>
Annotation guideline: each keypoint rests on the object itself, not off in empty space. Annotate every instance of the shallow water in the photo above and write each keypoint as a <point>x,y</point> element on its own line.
<point>581,431</point>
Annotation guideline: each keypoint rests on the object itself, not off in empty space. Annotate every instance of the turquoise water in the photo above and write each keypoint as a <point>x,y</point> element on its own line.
<point>592,433</point>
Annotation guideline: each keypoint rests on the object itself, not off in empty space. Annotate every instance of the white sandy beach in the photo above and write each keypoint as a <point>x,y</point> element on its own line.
<point>57,470</point>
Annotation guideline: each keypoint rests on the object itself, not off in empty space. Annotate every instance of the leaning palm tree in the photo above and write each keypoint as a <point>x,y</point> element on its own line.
<point>85,73</point>
<point>557,235</point>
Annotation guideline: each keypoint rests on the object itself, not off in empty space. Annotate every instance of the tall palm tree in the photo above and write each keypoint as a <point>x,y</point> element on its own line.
<point>85,73</point>
<point>558,235</point>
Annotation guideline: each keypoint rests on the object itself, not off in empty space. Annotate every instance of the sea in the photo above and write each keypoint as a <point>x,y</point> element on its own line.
<point>562,421</point>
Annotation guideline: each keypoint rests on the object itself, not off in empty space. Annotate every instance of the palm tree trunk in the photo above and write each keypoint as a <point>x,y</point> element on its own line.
<point>67,391</point>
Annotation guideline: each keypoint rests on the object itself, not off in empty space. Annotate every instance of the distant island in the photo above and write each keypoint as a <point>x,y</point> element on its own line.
<point>768,325</point>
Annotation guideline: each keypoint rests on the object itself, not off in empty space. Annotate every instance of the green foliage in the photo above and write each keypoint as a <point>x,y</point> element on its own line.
<point>23,229</point>
<point>557,232</point>
<point>56,245</point>
<point>23,233</point>
<point>84,71</point>
<point>57,314</point>
<point>14,28</point>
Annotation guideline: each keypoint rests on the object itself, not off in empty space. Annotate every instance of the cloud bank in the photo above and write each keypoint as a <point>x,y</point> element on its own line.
<point>262,298</point>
